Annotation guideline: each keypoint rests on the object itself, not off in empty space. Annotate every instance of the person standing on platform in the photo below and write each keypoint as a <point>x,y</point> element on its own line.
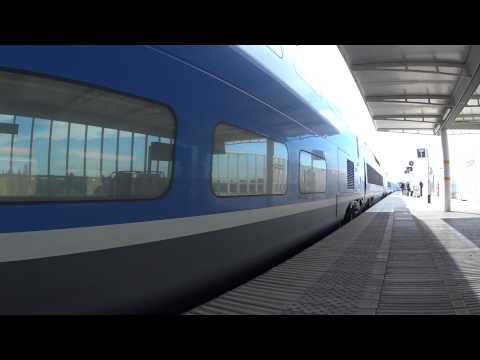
<point>408,189</point>
<point>421,187</point>
<point>402,187</point>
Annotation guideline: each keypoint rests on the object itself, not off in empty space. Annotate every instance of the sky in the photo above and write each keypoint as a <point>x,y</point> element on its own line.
<point>330,76</point>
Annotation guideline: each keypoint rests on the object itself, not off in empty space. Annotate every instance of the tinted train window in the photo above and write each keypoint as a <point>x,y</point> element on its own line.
<point>245,163</point>
<point>373,176</point>
<point>65,141</point>
<point>313,173</point>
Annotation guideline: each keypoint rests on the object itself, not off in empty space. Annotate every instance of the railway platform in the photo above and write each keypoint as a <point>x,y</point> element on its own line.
<point>402,256</point>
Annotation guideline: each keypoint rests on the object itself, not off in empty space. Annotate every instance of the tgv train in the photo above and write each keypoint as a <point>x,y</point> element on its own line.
<point>390,187</point>
<point>141,178</point>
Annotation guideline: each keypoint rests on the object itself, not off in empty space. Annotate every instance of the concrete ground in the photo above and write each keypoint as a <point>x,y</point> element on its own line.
<point>402,256</point>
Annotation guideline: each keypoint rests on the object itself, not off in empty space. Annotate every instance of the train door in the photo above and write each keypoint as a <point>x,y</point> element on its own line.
<point>360,169</point>
<point>337,172</point>
<point>345,189</point>
<point>365,175</point>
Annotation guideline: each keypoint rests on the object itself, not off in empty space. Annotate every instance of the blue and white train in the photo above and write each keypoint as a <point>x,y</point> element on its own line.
<point>145,178</point>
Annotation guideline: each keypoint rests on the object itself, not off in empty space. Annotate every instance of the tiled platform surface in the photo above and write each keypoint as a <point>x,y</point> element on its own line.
<point>402,256</point>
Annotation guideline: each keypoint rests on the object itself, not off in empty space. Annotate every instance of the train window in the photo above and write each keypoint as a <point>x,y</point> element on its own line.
<point>245,163</point>
<point>62,141</point>
<point>313,173</point>
<point>373,176</point>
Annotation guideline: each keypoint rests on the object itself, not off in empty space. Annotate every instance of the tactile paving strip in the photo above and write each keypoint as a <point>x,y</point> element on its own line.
<point>340,290</point>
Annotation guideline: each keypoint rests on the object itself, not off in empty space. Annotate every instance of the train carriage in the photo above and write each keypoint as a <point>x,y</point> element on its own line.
<point>147,178</point>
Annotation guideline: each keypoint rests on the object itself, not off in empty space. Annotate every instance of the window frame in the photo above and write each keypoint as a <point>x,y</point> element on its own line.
<point>299,172</point>
<point>85,200</point>
<point>211,163</point>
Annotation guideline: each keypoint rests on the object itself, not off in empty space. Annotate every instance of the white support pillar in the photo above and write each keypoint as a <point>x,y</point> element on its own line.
<point>446,169</point>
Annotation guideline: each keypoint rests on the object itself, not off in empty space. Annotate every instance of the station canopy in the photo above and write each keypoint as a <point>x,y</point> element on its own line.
<point>418,88</point>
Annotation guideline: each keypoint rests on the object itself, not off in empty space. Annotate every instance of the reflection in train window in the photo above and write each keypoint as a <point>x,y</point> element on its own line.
<point>313,173</point>
<point>245,163</point>
<point>64,141</point>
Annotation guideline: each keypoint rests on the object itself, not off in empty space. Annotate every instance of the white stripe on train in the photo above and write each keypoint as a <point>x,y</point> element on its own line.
<point>45,243</point>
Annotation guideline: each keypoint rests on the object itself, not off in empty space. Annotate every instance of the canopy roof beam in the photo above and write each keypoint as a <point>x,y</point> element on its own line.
<point>465,125</point>
<point>409,131</point>
<point>442,100</point>
<point>459,69</point>
<point>402,128</point>
<point>420,118</point>
<point>467,117</point>
<point>464,90</point>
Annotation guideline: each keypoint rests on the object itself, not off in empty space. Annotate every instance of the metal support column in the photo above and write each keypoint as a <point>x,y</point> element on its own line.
<point>446,168</point>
